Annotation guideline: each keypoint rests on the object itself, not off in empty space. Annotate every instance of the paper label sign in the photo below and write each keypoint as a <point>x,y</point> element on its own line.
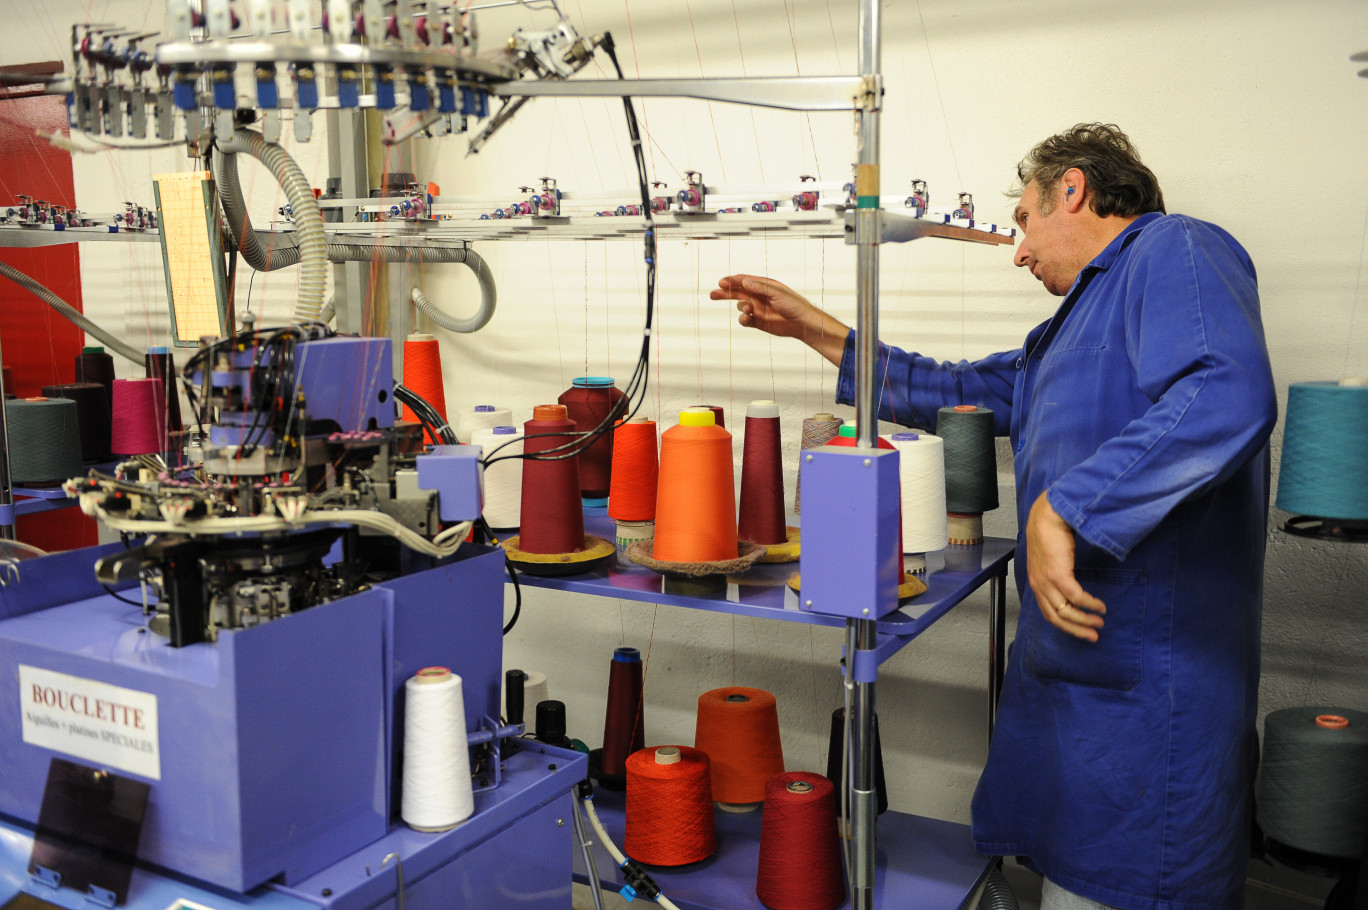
<point>110,726</point>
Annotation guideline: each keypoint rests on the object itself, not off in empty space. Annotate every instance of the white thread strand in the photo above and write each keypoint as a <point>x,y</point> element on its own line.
<point>503,478</point>
<point>437,792</point>
<point>921,470</point>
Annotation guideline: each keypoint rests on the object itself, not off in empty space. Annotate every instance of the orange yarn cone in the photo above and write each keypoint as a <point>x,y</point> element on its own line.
<point>696,492</point>
<point>423,375</point>
<point>669,807</point>
<point>636,471</point>
<point>739,729</point>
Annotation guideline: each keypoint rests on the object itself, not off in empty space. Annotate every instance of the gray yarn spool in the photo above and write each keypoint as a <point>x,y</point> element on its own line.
<point>1313,781</point>
<point>45,440</point>
<point>970,460</point>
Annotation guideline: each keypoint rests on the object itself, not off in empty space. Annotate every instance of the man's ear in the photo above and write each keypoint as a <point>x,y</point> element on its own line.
<point>1075,189</point>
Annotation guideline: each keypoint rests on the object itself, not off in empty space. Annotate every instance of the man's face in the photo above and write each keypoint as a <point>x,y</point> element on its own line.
<point>1045,243</point>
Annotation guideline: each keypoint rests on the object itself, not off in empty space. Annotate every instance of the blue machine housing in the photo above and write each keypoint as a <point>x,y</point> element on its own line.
<point>349,381</point>
<point>279,745</point>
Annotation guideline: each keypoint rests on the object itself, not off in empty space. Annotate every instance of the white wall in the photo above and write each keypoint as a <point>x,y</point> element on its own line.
<point>1249,112</point>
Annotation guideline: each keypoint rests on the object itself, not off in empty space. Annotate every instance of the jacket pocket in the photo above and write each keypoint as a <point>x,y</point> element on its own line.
<point>1117,659</point>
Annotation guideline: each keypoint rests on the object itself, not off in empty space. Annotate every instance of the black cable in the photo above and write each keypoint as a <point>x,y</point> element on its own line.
<point>137,603</point>
<point>517,596</point>
<point>427,414</point>
<point>634,395</point>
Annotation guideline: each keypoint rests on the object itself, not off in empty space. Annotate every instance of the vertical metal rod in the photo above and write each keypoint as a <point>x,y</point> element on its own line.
<point>347,159</point>
<point>586,846</point>
<point>862,636</point>
<point>997,644</point>
<point>867,236</point>
<point>7,522</point>
<point>862,633</point>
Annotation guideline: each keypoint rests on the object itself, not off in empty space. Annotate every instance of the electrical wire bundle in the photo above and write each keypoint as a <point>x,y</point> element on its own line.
<point>272,377</point>
<point>635,392</point>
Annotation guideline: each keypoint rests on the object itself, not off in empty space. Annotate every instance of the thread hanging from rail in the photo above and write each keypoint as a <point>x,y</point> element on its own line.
<point>1313,780</point>
<point>669,807</point>
<point>437,792</point>
<point>48,434</point>
<point>800,865</point>
<point>739,729</point>
<point>761,517</point>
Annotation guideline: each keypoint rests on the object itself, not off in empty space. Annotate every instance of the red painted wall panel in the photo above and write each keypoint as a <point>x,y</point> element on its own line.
<point>39,346</point>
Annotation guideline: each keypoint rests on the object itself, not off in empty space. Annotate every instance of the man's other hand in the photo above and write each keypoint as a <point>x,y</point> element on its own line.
<point>1050,571</point>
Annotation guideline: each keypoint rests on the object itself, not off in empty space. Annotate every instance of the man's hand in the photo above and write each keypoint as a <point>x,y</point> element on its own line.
<point>1050,570</point>
<point>775,308</point>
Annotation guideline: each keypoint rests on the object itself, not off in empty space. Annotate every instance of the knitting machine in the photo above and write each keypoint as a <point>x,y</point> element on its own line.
<point>221,696</point>
<point>297,456</point>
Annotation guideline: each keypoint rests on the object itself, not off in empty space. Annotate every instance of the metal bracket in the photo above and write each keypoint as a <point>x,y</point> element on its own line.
<point>100,896</point>
<point>46,876</point>
<point>494,733</point>
<point>870,93</point>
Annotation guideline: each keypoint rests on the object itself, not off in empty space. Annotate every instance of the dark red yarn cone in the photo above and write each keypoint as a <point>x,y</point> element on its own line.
<point>552,519</point>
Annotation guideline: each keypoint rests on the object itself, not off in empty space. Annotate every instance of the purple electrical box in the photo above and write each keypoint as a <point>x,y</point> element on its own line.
<point>454,472</point>
<point>851,540</point>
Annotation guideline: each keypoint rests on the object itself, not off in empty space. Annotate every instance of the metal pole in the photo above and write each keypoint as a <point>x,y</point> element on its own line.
<point>997,644</point>
<point>347,160</point>
<point>7,517</point>
<point>862,632</point>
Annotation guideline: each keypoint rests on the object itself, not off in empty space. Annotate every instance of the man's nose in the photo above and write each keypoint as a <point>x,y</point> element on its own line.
<point>1023,254</point>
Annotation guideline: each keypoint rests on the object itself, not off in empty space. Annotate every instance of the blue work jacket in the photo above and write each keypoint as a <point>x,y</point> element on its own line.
<point>1123,769</point>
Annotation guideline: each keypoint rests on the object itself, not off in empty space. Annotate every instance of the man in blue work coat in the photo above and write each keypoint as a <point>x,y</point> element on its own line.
<point>1139,415</point>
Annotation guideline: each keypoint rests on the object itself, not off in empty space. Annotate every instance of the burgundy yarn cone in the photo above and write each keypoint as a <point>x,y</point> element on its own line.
<point>762,477</point>
<point>588,403</point>
<point>624,730</point>
<point>552,517</point>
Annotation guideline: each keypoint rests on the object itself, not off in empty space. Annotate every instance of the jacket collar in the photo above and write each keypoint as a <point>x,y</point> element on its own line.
<point>1103,260</point>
